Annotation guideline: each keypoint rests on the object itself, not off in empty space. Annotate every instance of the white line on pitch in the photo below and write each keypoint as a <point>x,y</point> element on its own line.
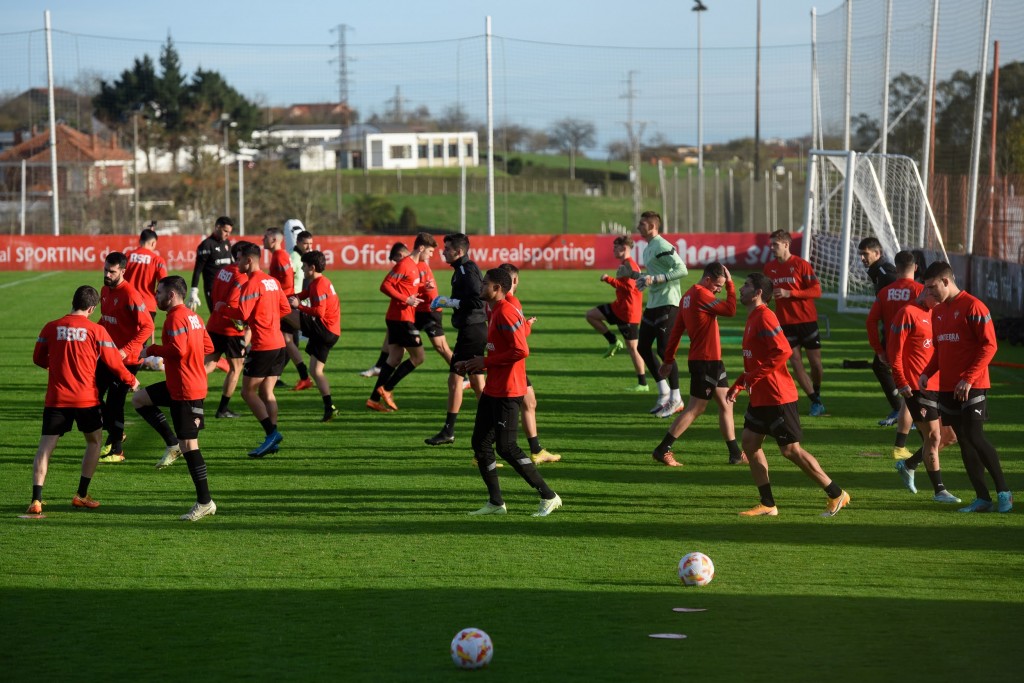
<point>29,279</point>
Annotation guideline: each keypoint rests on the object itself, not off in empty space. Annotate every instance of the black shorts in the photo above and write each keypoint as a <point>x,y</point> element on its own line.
<point>954,413</point>
<point>780,422</point>
<point>404,334</point>
<point>186,416</point>
<point>231,347</point>
<point>705,377</point>
<point>58,421</point>
<point>265,363</point>
<point>630,331</point>
<point>470,342</point>
<point>321,339</point>
<point>430,322</point>
<point>803,334</point>
<point>923,406</point>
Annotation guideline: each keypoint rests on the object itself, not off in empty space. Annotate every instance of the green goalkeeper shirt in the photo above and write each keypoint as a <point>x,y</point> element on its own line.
<point>660,258</point>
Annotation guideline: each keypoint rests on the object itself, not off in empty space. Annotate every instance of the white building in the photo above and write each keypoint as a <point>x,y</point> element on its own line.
<point>391,150</point>
<point>311,147</point>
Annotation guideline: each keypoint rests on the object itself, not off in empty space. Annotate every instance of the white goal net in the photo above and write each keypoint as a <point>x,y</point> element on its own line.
<point>851,196</point>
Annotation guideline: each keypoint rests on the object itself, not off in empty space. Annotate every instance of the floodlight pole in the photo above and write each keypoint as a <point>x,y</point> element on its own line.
<point>53,123</point>
<point>848,77</point>
<point>699,8</point>
<point>490,136</point>
<point>979,113</point>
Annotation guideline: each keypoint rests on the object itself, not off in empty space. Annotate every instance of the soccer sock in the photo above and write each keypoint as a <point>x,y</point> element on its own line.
<point>268,426</point>
<point>936,478</point>
<point>610,336</point>
<point>663,387</point>
<point>815,396</point>
<point>833,491</point>
<point>665,446</point>
<point>534,444</point>
<point>223,403</point>
<point>115,438</point>
<point>767,499</point>
<point>381,360</point>
<point>328,403</point>
<point>913,461</point>
<point>37,493</point>
<point>676,396</point>
<point>83,486</point>
<point>385,374</point>
<point>158,421</point>
<point>449,424</point>
<point>642,379</point>
<point>901,439</point>
<point>489,473</point>
<point>817,390</point>
<point>303,371</point>
<point>399,374</point>
<point>197,470</point>
<point>734,449</point>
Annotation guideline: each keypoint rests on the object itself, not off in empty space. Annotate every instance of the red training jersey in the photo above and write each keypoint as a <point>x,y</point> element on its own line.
<point>184,345</point>
<point>698,317</point>
<point>261,304</point>
<point>965,342</point>
<point>518,305</point>
<point>909,347</point>
<point>628,305</point>
<point>123,314</point>
<point>323,303</point>
<point>765,352</point>
<point>400,283</point>
<point>428,286</point>
<point>281,270</point>
<point>797,276</point>
<point>888,301</point>
<point>506,352</point>
<point>227,287</point>
<point>145,269</point>
<point>70,348</point>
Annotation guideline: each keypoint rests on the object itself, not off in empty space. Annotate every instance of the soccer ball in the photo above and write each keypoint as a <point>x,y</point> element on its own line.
<point>696,569</point>
<point>472,649</point>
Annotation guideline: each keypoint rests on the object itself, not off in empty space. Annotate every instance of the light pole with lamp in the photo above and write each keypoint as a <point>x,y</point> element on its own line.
<point>699,7</point>
<point>227,124</point>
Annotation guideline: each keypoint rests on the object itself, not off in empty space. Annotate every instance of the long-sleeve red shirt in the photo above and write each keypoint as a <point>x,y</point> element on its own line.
<point>797,276</point>
<point>629,301</point>
<point>506,352</point>
<point>145,269</point>
<point>889,300</point>
<point>227,287</point>
<point>323,303</point>
<point>70,348</point>
<point>965,343</point>
<point>261,304</point>
<point>184,345</point>
<point>427,286</point>
<point>698,317</point>
<point>765,352</point>
<point>123,314</point>
<point>399,284</point>
<point>909,347</point>
<point>281,270</point>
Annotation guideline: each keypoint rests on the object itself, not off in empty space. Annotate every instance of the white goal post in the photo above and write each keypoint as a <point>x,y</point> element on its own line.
<point>851,196</point>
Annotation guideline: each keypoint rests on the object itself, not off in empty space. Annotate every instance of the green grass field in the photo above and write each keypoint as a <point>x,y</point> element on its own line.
<point>349,555</point>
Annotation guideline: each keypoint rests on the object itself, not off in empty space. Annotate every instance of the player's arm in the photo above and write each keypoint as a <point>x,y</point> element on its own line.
<point>112,359</point>
<point>144,326</point>
<point>159,273</point>
<point>207,343</point>
<point>41,352</point>
<point>809,287</point>
<point>389,287</point>
<point>773,353</point>
<point>979,321</point>
<point>894,343</point>
<point>244,308</point>
<point>674,337</point>
<point>202,256</point>
<point>283,307</point>
<point>727,308</point>
<point>874,317</point>
<point>511,346</point>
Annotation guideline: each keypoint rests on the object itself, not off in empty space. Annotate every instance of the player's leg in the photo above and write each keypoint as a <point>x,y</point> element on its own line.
<point>506,421</point>
<point>56,423</point>
<point>664,327</point>
<point>904,421</point>
<point>440,344</point>
<point>266,395</point>
<point>415,359</point>
<point>391,363</point>
<point>645,346</point>
<point>630,332</point>
<point>375,369</point>
<point>883,373</point>
<point>295,356</point>
<point>973,424</point>
<point>251,395</point>
<point>528,416</point>
<point>814,361</point>
<point>727,425</point>
<point>663,451</point>
<point>796,362</point>
<point>230,384</point>
<point>596,317</point>
<point>753,442</point>
<point>90,423</point>
<point>483,454</point>
<point>147,404</point>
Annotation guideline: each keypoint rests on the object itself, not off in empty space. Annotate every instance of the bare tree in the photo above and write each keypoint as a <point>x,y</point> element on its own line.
<point>572,136</point>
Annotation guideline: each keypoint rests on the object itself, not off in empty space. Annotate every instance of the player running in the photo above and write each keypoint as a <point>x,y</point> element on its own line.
<point>146,268</point>
<point>624,312</point>
<point>881,273</point>
<point>398,252</point>
<point>229,336</point>
<point>320,322</point>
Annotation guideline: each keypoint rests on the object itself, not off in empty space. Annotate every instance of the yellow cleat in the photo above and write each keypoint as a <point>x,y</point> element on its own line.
<point>901,453</point>
<point>544,455</point>
<point>760,510</point>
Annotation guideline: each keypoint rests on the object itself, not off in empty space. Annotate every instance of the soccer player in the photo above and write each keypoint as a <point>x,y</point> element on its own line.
<point>664,270</point>
<point>184,345</point>
<point>624,312</point>
<point>881,273</point>
<point>261,304</point>
<point>228,335</point>
<point>538,453</point>
<point>303,245</point>
<point>909,348</point>
<point>281,270</point>
<point>71,349</point>
<point>888,301</point>
<point>469,319</point>
<point>146,268</point>
<point>320,321</point>
<point>698,318</point>
<point>796,288</point>
<point>398,252</point>
<point>401,285</point>
<point>965,344</point>
<point>123,314</point>
<point>497,412</point>
<point>213,253</point>
<point>773,401</point>
<point>427,320</point>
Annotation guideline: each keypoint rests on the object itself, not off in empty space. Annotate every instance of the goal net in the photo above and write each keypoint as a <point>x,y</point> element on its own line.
<point>851,196</point>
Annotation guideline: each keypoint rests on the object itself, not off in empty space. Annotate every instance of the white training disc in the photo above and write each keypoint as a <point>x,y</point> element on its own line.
<point>31,516</point>
<point>667,636</point>
<point>689,609</point>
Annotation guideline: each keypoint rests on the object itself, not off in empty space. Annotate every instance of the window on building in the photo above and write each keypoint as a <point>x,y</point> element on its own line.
<point>453,150</point>
<point>438,150</point>
<point>469,150</point>
<point>401,151</point>
<point>422,150</point>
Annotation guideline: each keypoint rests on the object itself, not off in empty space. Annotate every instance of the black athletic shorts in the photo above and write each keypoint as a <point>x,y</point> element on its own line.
<point>705,377</point>
<point>803,334</point>
<point>186,416</point>
<point>265,363</point>
<point>430,322</point>
<point>58,421</point>
<point>780,422</point>
<point>629,331</point>
<point>954,413</point>
<point>923,406</point>
<point>404,334</point>
<point>470,342</point>
<point>321,339</point>
<point>230,347</point>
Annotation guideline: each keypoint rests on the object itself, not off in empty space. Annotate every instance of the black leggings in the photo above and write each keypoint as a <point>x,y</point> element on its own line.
<point>888,384</point>
<point>979,455</point>
<point>655,326</point>
<point>497,423</point>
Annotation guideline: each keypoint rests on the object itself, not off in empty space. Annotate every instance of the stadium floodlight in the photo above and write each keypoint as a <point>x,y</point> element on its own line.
<point>699,7</point>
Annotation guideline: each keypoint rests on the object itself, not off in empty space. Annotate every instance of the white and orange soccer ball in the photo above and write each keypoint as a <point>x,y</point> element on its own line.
<point>696,569</point>
<point>472,649</point>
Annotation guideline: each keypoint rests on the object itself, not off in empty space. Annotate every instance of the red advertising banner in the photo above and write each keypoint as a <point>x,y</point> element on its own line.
<point>543,252</point>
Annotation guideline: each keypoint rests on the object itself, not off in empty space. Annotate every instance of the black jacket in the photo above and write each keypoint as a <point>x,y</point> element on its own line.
<point>466,284</point>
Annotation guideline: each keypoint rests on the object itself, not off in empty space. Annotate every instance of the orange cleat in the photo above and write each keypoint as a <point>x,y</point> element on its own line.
<point>86,503</point>
<point>669,460</point>
<point>761,510</point>
<point>36,508</point>
<point>303,384</point>
<point>387,398</point>
<point>378,406</point>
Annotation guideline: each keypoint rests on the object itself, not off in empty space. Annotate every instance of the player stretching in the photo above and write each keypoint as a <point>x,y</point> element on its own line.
<point>184,345</point>
<point>427,320</point>
<point>469,319</point>
<point>698,318</point>
<point>965,343</point>
<point>796,288</point>
<point>625,312</point>
<point>261,304</point>
<point>320,321</point>
<point>909,348</point>
<point>401,285</point>
<point>213,253</point>
<point>71,349</point>
<point>281,270</point>
<point>664,270</point>
<point>124,316</point>
<point>146,268</point>
<point>398,252</point>
<point>228,335</point>
<point>882,274</point>
<point>773,401</point>
<point>497,412</point>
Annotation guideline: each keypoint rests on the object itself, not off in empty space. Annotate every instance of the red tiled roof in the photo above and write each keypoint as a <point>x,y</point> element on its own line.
<point>72,146</point>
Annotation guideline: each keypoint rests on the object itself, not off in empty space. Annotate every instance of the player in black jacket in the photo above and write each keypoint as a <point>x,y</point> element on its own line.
<point>213,253</point>
<point>882,273</point>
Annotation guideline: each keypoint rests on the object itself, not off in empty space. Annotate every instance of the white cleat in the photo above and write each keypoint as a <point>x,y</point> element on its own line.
<point>370,372</point>
<point>660,405</point>
<point>670,409</point>
<point>548,506</point>
<point>170,455</point>
<point>491,509</point>
<point>198,511</point>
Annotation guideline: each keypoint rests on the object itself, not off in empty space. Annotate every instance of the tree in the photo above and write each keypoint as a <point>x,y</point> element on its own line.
<point>407,221</point>
<point>372,212</point>
<point>454,119</point>
<point>572,136</point>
